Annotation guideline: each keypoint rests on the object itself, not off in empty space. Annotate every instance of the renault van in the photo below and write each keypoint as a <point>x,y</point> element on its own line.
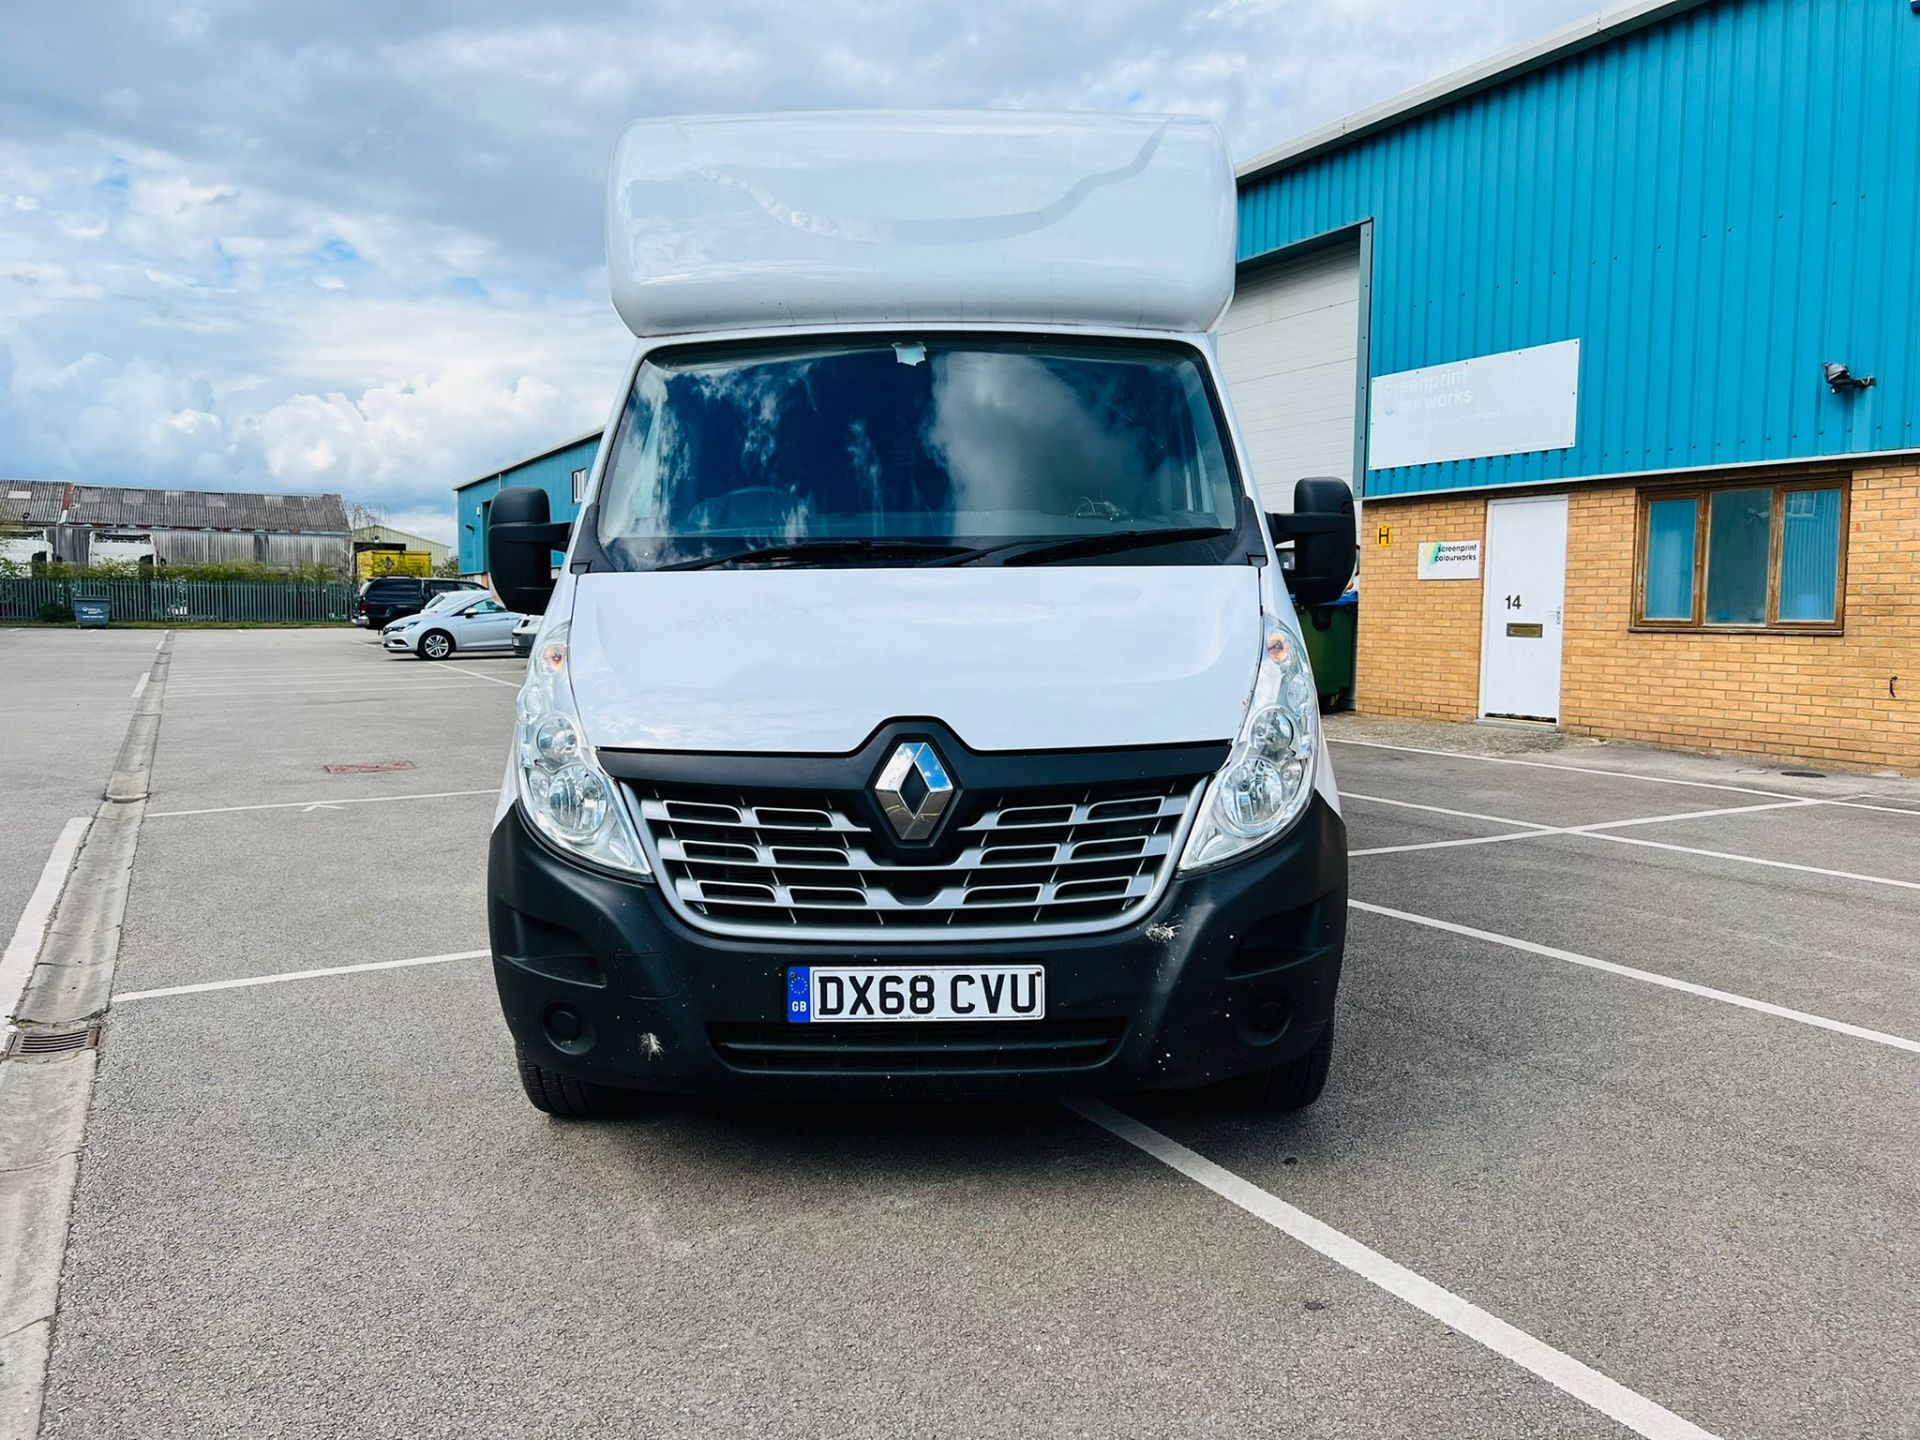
<point>919,706</point>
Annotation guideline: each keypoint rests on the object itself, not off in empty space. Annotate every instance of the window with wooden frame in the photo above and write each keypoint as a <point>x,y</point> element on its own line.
<point>1743,555</point>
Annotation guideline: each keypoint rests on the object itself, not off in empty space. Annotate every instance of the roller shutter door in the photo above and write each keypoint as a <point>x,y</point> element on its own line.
<point>1289,347</point>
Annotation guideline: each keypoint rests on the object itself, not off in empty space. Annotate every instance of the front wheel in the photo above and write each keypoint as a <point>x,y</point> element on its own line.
<point>1291,1085</point>
<point>436,645</point>
<point>563,1095</point>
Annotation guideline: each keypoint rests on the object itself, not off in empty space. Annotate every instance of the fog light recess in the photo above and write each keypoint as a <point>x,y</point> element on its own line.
<point>568,1030</point>
<point>1261,1021</point>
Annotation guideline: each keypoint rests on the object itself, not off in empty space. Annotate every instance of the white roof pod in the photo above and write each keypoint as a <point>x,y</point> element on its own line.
<point>728,222</point>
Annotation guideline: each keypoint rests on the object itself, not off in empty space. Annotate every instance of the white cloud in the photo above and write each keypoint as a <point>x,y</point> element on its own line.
<point>44,283</point>
<point>332,248</point>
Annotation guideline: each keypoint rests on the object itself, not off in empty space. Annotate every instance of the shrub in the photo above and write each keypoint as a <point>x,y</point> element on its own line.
<point>235,571</point>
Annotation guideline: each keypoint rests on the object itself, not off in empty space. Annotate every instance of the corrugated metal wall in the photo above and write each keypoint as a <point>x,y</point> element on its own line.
<point>1714,206</point>
<point>203,547</point>
<point>333,551</point>
<point>554,472</point>
<point>227,547</point>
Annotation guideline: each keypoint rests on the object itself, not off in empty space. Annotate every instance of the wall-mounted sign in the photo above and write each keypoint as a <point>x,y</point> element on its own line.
<point>1449,560</point>
<point>1504,404</point>
<point>1385,536</point>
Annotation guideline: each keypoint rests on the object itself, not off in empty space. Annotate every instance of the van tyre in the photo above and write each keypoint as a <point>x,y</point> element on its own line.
<point>563,1095</point>
<point>436,645</point>
<point>1293,1085</point>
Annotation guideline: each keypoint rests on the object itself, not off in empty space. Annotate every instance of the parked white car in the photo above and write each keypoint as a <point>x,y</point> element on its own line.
<point>523,634</point>
<point>439,604</point>
<point>481,625</point>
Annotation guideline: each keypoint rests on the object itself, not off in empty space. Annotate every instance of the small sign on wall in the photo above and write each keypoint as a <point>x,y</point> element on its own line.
<point>1449,560</point>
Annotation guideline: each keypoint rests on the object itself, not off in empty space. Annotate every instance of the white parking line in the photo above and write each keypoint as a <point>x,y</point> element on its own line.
<point>1649,977</point>
<point>494,678</point>
<point>317,682</point>
<point>1859,802</point>
<point>1442,810</point>
<point>1560,1370</point>
<point>272,677</point>
<point>282,978</point>
<point>1847,803</point>
<point>1533,834</point>
<point>1755,860</point>
<point>388,687</point>
<point>140,685</point>
<point>1603,831</point>
<point>1533,830</point>
<point>16,963</point>
<point>323,804</point>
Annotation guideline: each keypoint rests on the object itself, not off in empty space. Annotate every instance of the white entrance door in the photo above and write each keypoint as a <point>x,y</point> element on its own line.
<point>1525,587</point>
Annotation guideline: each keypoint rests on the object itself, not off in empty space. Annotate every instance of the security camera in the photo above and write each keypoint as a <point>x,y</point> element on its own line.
<point>1839,377</point>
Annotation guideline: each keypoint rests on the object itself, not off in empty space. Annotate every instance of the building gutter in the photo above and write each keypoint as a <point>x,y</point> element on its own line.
<point>1792,467</point>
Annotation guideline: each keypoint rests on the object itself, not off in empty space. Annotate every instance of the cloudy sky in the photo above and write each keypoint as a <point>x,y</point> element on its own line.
<point>356,246</point>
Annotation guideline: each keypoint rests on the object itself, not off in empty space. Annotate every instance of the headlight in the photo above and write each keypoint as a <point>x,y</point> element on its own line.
<point>570,799</point>
<point>1268,777</point>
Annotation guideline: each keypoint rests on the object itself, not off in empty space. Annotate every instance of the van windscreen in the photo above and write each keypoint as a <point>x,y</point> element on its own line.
<point>919,448</point>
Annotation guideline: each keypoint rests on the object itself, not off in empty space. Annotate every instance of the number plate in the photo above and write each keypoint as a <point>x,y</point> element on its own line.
<point>822,993</point>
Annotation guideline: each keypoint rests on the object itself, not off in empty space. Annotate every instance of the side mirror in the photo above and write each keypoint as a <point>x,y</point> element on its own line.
<point>521,537</point>
<point>1325,546</point>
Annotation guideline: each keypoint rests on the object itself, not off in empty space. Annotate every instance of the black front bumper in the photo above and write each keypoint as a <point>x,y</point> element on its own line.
<point>1234,970</point>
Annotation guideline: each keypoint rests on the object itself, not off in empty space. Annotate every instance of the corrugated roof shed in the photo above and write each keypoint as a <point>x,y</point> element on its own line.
<point>128,507</point>
<point>32,502</point>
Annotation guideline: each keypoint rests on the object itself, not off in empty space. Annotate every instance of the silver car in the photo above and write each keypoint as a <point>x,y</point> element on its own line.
<point>445,600</point>
<point>481,624</point>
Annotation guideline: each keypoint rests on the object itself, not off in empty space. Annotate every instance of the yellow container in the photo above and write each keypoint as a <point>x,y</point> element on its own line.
<point>370,563</point>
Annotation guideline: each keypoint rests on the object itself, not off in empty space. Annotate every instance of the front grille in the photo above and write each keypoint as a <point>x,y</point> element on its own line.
<point>1074,857</point>
<point>922,1048</point>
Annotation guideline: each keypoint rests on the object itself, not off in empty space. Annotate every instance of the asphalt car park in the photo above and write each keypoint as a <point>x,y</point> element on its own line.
<point>1623,1132</point>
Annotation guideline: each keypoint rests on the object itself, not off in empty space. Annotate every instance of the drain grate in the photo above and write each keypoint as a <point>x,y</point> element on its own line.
<point>54,1041</point>
<point>1806,774</point>
<point>373,767</point>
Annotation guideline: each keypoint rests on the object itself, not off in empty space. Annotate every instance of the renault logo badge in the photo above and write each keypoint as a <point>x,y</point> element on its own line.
<point>913,790</point>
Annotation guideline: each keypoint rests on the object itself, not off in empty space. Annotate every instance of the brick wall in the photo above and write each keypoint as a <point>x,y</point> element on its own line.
<point>1814,697</point>
<point>1419,650</point>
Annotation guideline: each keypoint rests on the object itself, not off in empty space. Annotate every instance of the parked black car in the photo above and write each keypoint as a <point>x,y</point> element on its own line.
<point>394,597</point>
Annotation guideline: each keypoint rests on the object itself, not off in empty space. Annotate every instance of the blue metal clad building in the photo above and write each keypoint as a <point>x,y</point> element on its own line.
<point>1618,335</point>
<point>1714,198</point>
<point>561,472</point>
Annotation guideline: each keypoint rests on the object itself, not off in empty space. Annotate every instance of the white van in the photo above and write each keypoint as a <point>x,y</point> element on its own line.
<point>920,707</point>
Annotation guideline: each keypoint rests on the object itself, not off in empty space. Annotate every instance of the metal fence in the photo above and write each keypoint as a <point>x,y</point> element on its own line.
<point>182,601</point>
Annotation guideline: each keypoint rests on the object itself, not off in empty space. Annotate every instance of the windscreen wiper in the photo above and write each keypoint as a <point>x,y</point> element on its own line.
<point>1032,552</point>
<point>804,550</point>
